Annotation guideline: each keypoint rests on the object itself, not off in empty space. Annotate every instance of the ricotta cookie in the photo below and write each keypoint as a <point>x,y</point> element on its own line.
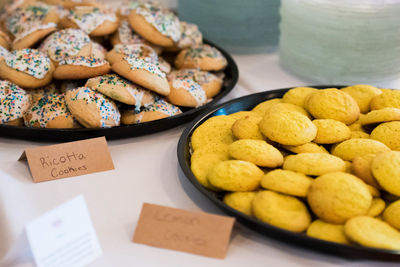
<point>338,196</point>
<point>362,94</point>
<point>50,111</point>
<point>92,109</point>
<point>80,67</point>
<point>314,163</point>
<point>121,90</point>
<point>14,101</point>
<point>156,24</point>
<point>352,148</point>
<point>282,211</point>
<point>29,24</point>
<point>94,21</point>
<point>332,104</point>
<point>140,65</point>
<point>204,57</point>
<point>42,91</point>
<point>28,68</point>
<point>160,109</point>
<point>5,41</point>
<point>191,36</point>
<point>66,43</point>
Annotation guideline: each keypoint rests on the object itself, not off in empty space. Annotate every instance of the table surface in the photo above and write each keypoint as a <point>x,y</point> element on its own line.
<point>146,170</point>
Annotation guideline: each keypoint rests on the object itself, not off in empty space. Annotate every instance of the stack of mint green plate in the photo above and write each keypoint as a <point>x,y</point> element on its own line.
<point>341,41</point>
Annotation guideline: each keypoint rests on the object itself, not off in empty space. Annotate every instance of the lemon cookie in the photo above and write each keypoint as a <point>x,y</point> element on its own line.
<point>281,107</point>
<point>314,163</point>
<point>287,182</point>
<point>242,114</point>
<point>381,115</point>
<point>288,128</point>
<point>160,109</point>
<point>359,134</point>
<point>216,129</point>
<point>362,94</point>
<point>386,170</point>
<point>391,214</point>
<point>14,101</point>
<point>241,201</point>
<point>332,104</point>
<point>94,21</point>
<point>331,131</point>
<point>121,90</point>
<point>377,206</point>
<point>328,231</point>
<point>205,158</point>
<point>306,148</point>
<point>28,68</point>
<point>371,232</point>
<point>264,106</point>
<point>335,197</point>
<point>50,111</point>
<point>235,175</point>
<point>349,149</point>
<point>258,152</point>
<point>282,211</point>
<point>298,95</point>
<point>92,109</point>
<point>204,57</point>
<point>388,133</point>
<point>361,167</point>
<point>388,98</point>
<point>156,24</point>
<point>247,127</point>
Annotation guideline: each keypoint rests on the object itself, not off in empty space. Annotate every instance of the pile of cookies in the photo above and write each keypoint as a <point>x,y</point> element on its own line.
<point>71,63</point>
<point>323,162</point>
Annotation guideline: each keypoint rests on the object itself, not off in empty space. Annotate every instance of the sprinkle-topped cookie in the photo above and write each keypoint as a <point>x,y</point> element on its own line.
<point>83,61</point>
<point>89,18</point>
<point>25,20</point>
<point>13,101</point>
<point>46,109</point>
<point>191,36</point>
<point>162,19</point>
<point>64,43</point>
<point>187,83</point>
<point>127,6</point>
<point>127,36</point>
<point>160,105</point>
<point>202,51</point>
<point>3,52</point>
<point>198,76</point>
<point>29,61</point>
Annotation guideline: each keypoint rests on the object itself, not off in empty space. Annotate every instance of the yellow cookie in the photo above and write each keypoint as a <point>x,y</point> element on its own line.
<point>258,152</point>
<point>280,107</point>
<point>214,130</point>
<point>241,201</point>
<point>371,232</point>
<point>298,95</point>
<point>352,148</point>
<point>235,175</point>
<point>306,148</point>
<point>327,231</point>
<point>247,128</point>
<point>264,106</point>
<point>362,94</point>
<point>359,134</point>
<point>288,128</point>
<point>332,104</point>
<point>331,131</point>
<point>391,215</point>
<point>336,197</point>
<point>243,114</point>
<point>287,182</point>
<point>388,133</point>
<point>281,211</point>
<point>314,163</point>
<point>377,206</point>
<point>381,115</point>
<point>386,170</point>
<point>205,158</point>
<point>388,98</point>
<point>361,167</point>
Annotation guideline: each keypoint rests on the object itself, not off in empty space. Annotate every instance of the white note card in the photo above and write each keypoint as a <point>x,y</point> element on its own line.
<point>64,236</point>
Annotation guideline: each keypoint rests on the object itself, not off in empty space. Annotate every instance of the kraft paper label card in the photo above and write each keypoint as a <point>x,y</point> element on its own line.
<point>194,232</point>
<point>64,236</point>
<point>68,159</point>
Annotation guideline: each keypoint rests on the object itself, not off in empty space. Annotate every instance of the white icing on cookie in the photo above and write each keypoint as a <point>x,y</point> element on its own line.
<point>89,18</point>
<point>14,101</point>
<point>191,36</point>
<point>29,61</point>
<point>193,88</point>
<point>83,61</point>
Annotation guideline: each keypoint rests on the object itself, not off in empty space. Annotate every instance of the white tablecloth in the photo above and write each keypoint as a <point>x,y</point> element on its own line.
<point>146,170</point>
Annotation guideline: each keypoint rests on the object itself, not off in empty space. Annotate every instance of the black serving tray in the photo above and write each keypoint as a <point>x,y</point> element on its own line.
<point>125,131</point>
<point>299,239</point>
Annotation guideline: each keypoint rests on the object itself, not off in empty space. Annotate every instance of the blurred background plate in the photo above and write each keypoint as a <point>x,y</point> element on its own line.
<point>299,239</point>
<point>43,134</point>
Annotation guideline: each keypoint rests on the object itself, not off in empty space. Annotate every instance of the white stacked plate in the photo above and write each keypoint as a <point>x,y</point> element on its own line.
<point>341,41</point>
